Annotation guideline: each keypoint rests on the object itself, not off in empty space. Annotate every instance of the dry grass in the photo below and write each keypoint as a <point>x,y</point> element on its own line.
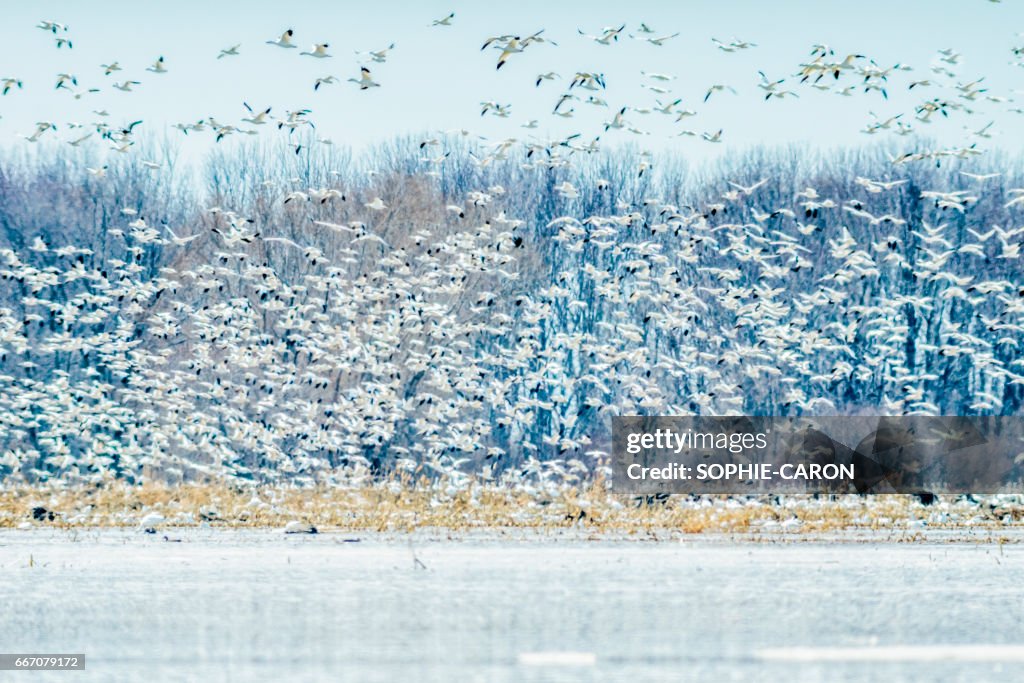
<point>397,507</point>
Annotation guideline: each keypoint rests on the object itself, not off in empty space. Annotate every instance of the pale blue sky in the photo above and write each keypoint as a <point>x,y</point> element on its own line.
<point>436,77</point>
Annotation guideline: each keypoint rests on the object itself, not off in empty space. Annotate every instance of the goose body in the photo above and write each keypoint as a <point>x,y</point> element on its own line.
<point>319,51</point>
<point>158,67</point>
<point>285,40</point>
<point>365,80</point>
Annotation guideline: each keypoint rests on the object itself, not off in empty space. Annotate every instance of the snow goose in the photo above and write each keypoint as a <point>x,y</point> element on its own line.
<point>319,51</point>
<point>180,241</point>
<point>608,34</point>
<point>379,56</point>
<point>324,80</point>
<point>9,83</point>
<point>659,40</point>
<point>254,118</point>
<point>284,41</point>
<point>365,81</point>
<point>229,51</point>
<point>549,76</point>
<point>158,66</point>
<point>446,21</point>
<point>718,87</point>
<point>51,26</point>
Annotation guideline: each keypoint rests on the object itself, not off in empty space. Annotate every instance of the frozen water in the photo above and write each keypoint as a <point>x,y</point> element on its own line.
<point>253,606</point>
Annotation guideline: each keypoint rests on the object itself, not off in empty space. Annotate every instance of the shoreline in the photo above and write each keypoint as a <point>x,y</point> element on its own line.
<point>506,536</point>
<point>403,508</point>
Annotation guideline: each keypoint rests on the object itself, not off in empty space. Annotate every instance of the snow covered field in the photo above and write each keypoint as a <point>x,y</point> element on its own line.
<point>259,605</point>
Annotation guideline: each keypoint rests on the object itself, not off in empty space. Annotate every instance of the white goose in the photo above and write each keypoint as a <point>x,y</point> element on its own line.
<point>319,51</point>
<point>256,119</point>
<point>51,26</point>
<point>379,56</point>
<point>446,21</point>
<point>324,80</point>
<point>549,76</point>
<point>365,81</point>
<point>9,83</point>
<point>284,41</point>
<point>158,66</point>
<point>180,241</point>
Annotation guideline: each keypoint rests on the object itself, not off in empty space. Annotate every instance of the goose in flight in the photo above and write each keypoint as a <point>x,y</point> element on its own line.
<point>780,94</point>
<point>180,241</point>
<point>110,68</point>
<point>549,76</point>
<point>511,47</point>
<point>284,41</point>
<point>656,41</point>
<point>229,51</point>
<point>52,26</point>
<point>64,79</point>
<point>588,81</point>
<point>567,190</point>
<point>733,45</point>
<point>283,240</point>
<point>445,21</point>
<point>9,83</point>
<point>562,100</point>
<point>718,87</point>
<point>618,121</point>
<point>503,39</point>
<point>608,34</point>
<point>501,110</point>
<point>41,127</point>
<point>62,42</point>
<point>377,204</point>
<point>324,80</point>
<point>980,177</point>
<point>716,137</point>
<point>1018,198</point>
<point>126,86</point>
<point>365,81</point>
<point>158,66</point>
<point>319,51</point>
<point>749,189</point>
<point>256,119</point>
<point>78,141</point>
<point>984,131</point>
<point>769,85</point>
<point>379,56</point>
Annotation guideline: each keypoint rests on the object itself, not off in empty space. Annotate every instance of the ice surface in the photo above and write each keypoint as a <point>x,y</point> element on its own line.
<point>260,605</point>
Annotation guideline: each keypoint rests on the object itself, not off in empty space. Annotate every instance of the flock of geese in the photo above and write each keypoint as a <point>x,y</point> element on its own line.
<point>943,93</point>
<point>480,329</point>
